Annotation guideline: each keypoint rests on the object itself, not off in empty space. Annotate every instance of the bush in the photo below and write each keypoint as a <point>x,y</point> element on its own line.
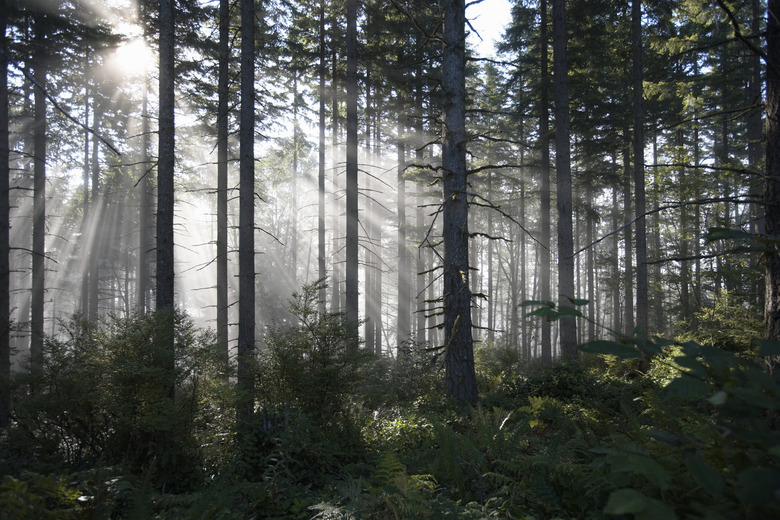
<point>314,366</point>
<point>105,395</point>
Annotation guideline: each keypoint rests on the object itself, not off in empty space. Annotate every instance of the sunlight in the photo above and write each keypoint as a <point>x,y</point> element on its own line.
<point>133,58</point>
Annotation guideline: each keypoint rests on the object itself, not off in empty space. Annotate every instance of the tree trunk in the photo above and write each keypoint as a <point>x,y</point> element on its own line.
<point>246,217</point>
<point>351,247</point>
<point>5,266</point>
<point>39,195</point>
<point>321,269</point>
<point>85,220</point>
<point>545,202</point>
<point>772,183</point>
<point>294,187</point>
<point>97,206</point>
<point>165,163</point>
<point>591,269</point>
<point>404,298</point>
<point>420,217</point>
<point>460,376</point>
<point>567,327</point>
<point>335,299</point>
<point>637,76</point>
<point>616,321</point>
<point>222,181</point>
<point>144,185</point>
<point>628,275</point>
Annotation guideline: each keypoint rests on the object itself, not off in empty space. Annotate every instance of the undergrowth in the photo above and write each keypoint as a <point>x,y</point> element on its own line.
<point>689,432</point>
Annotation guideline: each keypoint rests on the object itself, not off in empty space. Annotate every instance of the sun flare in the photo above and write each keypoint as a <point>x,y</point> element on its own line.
<point>133,58</point>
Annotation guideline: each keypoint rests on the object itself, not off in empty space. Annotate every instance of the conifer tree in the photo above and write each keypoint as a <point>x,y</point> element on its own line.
<point>460,375</point>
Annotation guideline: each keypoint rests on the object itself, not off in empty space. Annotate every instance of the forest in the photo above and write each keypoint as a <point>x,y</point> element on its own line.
<point>269,259</point>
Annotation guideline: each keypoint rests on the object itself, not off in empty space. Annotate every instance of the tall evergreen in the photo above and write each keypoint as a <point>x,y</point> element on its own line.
<point>568,328</point>
<point>460,375</point>
<point>246,219</point>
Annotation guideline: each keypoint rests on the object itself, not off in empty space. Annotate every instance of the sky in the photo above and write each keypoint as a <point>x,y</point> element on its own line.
<point>489,18</point>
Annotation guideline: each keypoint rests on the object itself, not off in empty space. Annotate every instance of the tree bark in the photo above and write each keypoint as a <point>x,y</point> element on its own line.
<point>628,275</point>
<point>165,162</point>
<point>567,327</point>
<point>545,202</point>
<point>772,183</point>
<point>144,185</point>
<point>404,298</point>
<point>321,269</point>
<point>39,194</point>
<point>246,217</point>
<point>637,77</point>
<point>5,266</point>
<point>222,180</point>
<point>460,375</point>
<point>351,246</point>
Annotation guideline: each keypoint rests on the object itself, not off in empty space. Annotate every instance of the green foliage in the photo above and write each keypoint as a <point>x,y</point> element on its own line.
<point>35,496</point>
<point>728,323</point>
<point>104,395</point>
<point>711,422</point>
<point>314,366</point>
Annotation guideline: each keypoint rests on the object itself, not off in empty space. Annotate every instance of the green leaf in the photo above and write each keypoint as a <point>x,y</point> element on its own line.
<point>719,398</point>
<point>577,302</point>
<point>663,436</point>
<point>651,470</point>
<point>630,501</point>
<point>704,475</point>
<point>626,501</point>
<point>758,485</point>
<point>568,311</point>
<point>768,347</point>
<point>545,312</point>
<point>612,348</point>
<point>663,342</point>
<point>721,233</point>
<point>685,387</point>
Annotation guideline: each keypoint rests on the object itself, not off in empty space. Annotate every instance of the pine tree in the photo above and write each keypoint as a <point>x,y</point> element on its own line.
<point>458,344</point>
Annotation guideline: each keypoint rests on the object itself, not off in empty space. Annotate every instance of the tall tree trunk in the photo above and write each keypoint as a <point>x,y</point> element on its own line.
<point>321,269</point>
<point>5,266</point>
<point>460,376</point>
<point>591,268</point>
<point>545,202</point>
<point>404,298</point>
<point>144,185</point>
<point>567,327</point>
<point>419,217</point>
<point>637,76</point>
<point>165,163</point>
<point>772,183</point>
<point>628,275</point>
<point>491,333</point>
<point>335,299</point>
<point>39,194</point>
<point>97,207</point>
<point>685,265</point>
<point>351,247</point>
<point>246,217</point>
<point>755,142</point>
<point>165,197</point>
<point>659,291</point>
<point>85,220</point>
<point>294,187</point>
<point>368,249</point>
<point>376,233</point>
<point>616,318</point>
<point>222,180</point>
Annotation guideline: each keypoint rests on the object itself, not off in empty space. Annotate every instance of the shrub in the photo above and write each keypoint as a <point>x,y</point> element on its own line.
<point>104,395</point>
